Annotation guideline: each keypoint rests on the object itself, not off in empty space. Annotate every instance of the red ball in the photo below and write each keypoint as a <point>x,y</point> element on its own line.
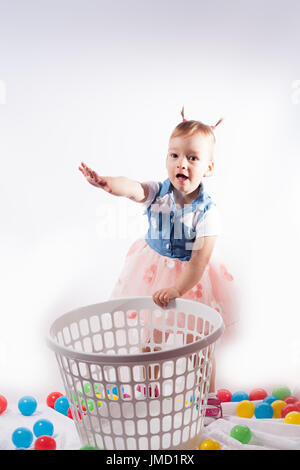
<point>224,395</point>
<point>52,397</point>
<point>290,400</point>
<point>3,404</point>
<point>258,394</point>
<point>45,443</point>
<point>69,413</point>
<point>297,404</point>
<point>288,408</point>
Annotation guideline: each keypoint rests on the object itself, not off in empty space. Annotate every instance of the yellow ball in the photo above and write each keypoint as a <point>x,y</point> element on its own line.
<point>114,397</point>
<point>277,406</point>
<point>210,444</point>
<point>292,418</point>
<point>245,409</point>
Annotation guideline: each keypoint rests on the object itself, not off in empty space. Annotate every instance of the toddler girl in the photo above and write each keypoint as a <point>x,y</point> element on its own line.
<point>174,258</point>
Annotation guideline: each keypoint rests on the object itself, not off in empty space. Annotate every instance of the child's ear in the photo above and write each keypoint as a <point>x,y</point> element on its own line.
<point>210,168</point>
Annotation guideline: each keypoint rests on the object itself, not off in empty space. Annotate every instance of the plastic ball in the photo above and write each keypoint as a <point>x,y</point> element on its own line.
<point>210,444</point>
<point>90,404</point>
<point>241,433</point>
<point>52,397</point>
<point>27,405</point>
<point>239,396</point>
<point>113,397</point>
<point>3,404</point>
<point>269,399</point>
<point>45,443</point>
<point>224,395</point>
<point>62,405</point>
<point>258,394</point>
<point>263,411</point>
<point>290,400</point>
<point>88,448</point>
<point>245,409</point>
<point>99,402</point>
<point>277,407</point>
<point>43,427</point>
<point>22,438</point>
<point>87,388</point>
<point>281,392</point>
<point>78,414</point>
<point>292,418</point>
<point>297,404</point>
<point>287,409</point>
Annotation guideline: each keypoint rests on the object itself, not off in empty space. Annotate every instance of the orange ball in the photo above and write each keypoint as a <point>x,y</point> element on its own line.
<point>292,418</point>
<point>277,406</point>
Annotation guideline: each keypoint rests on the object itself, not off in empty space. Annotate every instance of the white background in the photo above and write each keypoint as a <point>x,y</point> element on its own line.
<point>103,82</point>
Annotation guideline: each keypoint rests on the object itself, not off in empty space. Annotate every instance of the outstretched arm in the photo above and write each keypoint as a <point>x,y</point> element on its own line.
<point>116,185</point>
<point>191,274</point>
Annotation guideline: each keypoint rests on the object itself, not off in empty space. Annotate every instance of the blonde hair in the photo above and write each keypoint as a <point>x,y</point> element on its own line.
<point>190,127</point>
<point>187,128</point>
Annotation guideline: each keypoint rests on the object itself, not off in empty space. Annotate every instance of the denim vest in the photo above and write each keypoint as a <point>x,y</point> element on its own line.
<point>167,234</point>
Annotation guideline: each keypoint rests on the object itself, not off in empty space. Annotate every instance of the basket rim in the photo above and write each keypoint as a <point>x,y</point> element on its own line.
<point>113,359</point>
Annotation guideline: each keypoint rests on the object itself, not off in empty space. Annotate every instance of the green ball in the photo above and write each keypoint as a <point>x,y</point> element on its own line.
<point>281,392</point>
<point>241,433</point>
<point>88,448</point>
<point>90,404</point>
<point>87,388</point>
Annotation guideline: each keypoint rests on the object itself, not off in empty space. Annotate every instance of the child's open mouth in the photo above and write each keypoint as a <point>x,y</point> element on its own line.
<point>181,177</point>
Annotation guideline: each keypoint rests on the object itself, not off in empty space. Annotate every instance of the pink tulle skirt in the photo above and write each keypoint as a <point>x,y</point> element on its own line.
<point>145,271</point>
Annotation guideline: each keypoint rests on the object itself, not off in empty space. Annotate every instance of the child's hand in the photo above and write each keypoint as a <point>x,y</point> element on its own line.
<point>94,178</point>
<point>163,296</point>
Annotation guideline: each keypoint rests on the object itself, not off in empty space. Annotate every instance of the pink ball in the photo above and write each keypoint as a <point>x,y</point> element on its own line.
<point>290,400</point>
<point>288,408</point>
<point>258,394</point>
<point>224,395</point>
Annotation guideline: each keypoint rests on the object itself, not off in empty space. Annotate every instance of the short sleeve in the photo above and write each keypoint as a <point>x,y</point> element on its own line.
<point>153,187</point>
<point>209,224</point>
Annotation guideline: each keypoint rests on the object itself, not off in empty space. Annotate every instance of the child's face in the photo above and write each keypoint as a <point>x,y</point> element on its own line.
<point>191,158</point>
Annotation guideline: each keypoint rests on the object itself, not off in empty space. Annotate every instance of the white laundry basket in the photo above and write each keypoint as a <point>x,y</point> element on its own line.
<point>123,398</point>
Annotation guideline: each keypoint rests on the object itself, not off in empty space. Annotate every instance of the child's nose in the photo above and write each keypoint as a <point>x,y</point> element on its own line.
<point>182,162</point>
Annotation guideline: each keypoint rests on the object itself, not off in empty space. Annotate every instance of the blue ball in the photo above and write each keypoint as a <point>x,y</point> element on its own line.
<point>62,405</point>
<point>269,399</point>
<point>43,427</point>
<point>22,438</point>
<point>27,405</point>
<point>263,410</point>
<point>239,396</point>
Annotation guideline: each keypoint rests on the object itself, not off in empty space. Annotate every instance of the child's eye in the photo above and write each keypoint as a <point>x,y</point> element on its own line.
<point>173,155</point>
<point>192,158</point>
